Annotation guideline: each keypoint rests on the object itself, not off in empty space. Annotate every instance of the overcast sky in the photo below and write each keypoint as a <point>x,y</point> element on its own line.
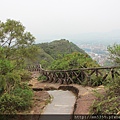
<point>54,19</point>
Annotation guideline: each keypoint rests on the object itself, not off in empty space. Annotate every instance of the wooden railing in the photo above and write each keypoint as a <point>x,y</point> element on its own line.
<point>77,75</point>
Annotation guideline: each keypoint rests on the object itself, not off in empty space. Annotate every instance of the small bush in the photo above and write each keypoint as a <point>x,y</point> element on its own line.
<point>93,81</point>
<point>19,99</point>
<point>9,103</point>
<point>96,81</point>
<point>42,78</point>
<point>108,103</point>
<point>24,74</point>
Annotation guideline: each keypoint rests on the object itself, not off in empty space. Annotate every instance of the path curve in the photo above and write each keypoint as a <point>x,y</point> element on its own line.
<point>62,102</point>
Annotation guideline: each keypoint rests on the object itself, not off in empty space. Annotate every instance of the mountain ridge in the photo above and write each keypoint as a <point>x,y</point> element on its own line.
<point>56,50</point>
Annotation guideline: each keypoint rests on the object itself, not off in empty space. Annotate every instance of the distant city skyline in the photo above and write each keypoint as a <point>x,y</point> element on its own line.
<point>75,20</point>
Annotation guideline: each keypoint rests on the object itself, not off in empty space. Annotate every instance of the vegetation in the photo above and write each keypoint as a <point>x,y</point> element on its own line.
<point>19,99</point>
<point>108,103</point>
<point>55,50</point>
<point>43,58</point>
<point>17,44</point>
<point>15,47</point>
<point>58,48</point>
<point>74,60</point>
<point>64,59</point>
<point>115,53</point>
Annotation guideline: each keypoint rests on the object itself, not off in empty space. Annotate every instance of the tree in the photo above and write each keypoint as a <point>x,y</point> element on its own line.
<point>74,60</point>
<point>114,53</point>
<point>16,46</point>
<point>17,43</point>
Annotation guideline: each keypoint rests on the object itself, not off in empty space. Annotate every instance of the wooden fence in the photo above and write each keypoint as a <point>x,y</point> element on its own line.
<point>77,75</point>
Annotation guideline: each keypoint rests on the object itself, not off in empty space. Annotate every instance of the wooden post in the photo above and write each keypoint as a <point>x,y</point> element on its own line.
<point>112,73</point>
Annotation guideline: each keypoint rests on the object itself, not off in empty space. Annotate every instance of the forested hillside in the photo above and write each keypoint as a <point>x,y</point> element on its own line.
<point>58,50</point>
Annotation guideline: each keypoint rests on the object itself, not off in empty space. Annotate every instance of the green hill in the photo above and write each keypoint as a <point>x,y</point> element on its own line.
<point>59,48</point>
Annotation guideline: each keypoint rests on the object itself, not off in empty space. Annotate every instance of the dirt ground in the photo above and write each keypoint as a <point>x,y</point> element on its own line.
<point>39,101</point>
<point>85,96</point>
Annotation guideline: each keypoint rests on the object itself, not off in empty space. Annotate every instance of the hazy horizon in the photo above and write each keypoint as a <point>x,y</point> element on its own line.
<point>105,38</point>
<point>75,20</point>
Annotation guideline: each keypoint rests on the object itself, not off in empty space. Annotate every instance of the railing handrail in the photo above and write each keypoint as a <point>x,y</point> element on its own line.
<point>93,68</point>
<point>79,74</point>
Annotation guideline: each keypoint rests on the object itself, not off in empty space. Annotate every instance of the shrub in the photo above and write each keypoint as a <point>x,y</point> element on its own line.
<point>109,102</point>
<point>19,99</point>
<point>9,103</point>
<point>24,74</point>
<point>42,78</point>
<point>96,81</point>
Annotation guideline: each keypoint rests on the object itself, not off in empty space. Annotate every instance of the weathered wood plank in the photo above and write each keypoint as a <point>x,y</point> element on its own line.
<point>75,75</point>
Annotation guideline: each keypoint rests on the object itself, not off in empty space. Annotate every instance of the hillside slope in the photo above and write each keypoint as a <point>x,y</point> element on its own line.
<point>58,48</point>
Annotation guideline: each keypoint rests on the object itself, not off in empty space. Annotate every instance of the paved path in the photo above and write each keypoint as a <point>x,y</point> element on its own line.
<point>62,103</point>
<point>61,107</point>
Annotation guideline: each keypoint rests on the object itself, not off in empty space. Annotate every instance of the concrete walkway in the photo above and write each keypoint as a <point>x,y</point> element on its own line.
<point>85,96</point>
<point>62,103</point>
<point>61,107</point>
